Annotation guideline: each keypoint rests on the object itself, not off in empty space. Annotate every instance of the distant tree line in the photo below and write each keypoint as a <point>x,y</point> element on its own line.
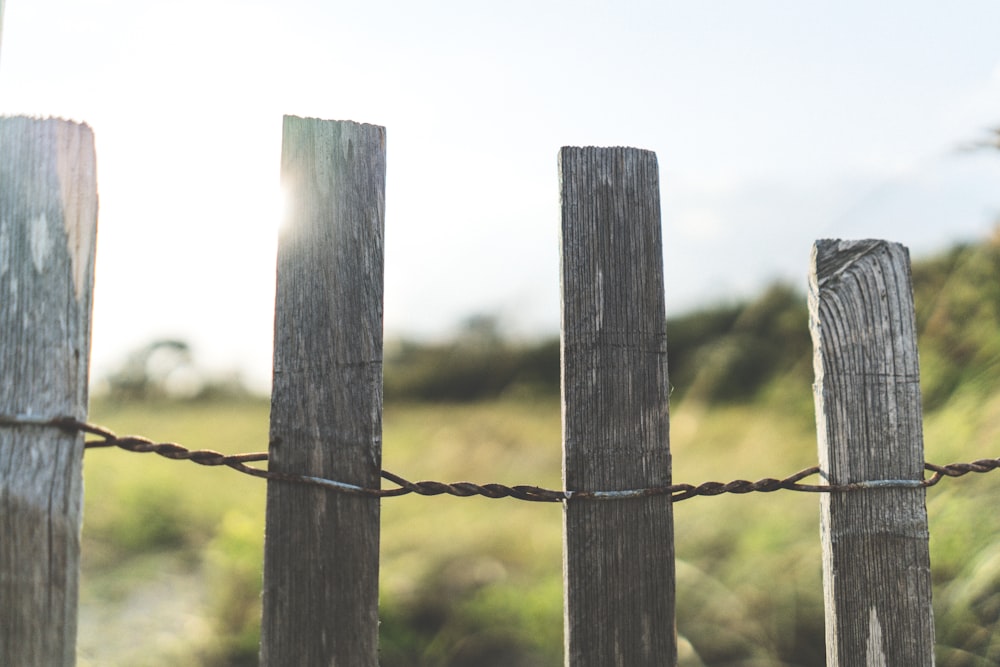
<point>759,349</point>
<point>740,352</point>
<point>165,369</point>
<point>478,363</point>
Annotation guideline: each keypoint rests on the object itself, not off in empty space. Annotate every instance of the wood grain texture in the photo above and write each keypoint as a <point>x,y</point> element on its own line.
<point>618,556</point>
<point>321,548</point>
<point>876,566</point>
<point>48,226</point>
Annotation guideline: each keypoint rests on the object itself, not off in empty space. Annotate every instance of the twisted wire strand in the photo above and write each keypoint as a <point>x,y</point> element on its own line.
<point>677,492</point>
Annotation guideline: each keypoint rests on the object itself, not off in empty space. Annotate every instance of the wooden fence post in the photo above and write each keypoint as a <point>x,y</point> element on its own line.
<point>321,548</point>
<point>876,566</point>
<point>618,555</point>
<point>48,227</point>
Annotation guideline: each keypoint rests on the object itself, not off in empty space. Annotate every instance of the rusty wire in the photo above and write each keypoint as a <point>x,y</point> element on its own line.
<point>676,492</point>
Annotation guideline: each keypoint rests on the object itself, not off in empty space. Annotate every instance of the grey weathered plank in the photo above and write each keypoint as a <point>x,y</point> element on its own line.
<point>321,548</point>
<point>618,555</point>
<point>876,567</point>
<point>48,227</point>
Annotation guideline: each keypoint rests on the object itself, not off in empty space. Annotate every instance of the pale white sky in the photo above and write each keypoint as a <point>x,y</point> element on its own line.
<point>775,123</point>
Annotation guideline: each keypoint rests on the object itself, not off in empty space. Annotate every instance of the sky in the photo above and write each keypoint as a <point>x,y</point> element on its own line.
<point>774,123</point>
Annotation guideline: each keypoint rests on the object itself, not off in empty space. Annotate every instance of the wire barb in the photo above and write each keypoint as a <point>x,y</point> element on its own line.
<point>676,492</point>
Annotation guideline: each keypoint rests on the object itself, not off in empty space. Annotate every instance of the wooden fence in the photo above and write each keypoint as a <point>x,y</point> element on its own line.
<point>320,603</point>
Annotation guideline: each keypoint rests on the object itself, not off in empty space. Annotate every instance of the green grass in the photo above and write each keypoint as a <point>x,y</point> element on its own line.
<point>172,551</point>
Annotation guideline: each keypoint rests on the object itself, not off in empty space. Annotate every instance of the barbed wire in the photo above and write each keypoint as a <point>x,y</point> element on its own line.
<point>677,492</point>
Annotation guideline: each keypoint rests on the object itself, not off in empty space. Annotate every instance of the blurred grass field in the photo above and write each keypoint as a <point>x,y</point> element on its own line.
<point>172,551</point>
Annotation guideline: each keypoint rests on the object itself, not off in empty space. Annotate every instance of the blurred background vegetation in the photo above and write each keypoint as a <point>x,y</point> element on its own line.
<point>172,552</point>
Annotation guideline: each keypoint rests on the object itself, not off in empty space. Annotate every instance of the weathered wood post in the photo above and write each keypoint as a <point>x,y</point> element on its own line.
<point>618,555</point>
<point>322,548</point>
<point>876,567</point>
<point>48,227</point>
